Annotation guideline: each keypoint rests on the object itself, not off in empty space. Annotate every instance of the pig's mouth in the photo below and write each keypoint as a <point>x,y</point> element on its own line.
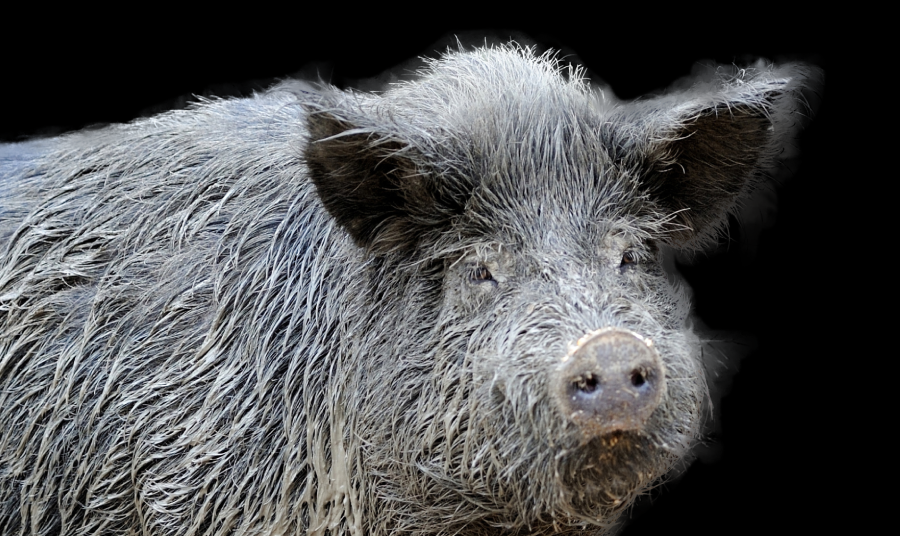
<point>609,472</point>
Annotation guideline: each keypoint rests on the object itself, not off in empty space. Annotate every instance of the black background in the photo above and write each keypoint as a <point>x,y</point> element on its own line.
<point>780,461</point>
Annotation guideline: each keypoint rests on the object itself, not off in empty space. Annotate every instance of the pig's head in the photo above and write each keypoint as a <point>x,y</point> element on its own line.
<point>527,361</point>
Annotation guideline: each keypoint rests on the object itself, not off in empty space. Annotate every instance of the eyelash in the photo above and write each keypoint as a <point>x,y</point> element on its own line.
<point>478,273</point>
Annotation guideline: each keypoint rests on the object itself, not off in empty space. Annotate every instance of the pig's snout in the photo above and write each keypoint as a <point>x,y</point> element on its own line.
<point>611,380</point>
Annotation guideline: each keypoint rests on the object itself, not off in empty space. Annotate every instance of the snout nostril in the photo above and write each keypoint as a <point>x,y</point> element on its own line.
<point>611,381</point>
<point>587,384</point>
<point>637,378</point>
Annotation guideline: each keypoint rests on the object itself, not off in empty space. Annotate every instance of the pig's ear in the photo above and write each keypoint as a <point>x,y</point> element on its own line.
<point>374,183</point>
<point>700,151</point>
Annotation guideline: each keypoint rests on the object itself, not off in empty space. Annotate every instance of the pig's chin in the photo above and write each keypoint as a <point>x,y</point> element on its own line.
<point>608,471</point>
<point>603,474</point>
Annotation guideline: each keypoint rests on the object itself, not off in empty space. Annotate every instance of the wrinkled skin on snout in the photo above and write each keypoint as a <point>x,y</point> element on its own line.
<point>437,310</point>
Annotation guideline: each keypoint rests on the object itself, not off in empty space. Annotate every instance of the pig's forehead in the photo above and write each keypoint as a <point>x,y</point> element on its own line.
<point>554,165</point>
<point>532,142</point>
<point>548,177</point>
<point>555,209</point>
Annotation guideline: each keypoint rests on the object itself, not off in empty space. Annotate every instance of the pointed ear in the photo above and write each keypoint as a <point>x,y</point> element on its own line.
<point>698,153</point>
<point>375,184</point>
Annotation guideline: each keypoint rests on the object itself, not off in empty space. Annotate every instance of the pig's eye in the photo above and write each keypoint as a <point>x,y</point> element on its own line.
<point>478,273</point>
<point>628,259</point>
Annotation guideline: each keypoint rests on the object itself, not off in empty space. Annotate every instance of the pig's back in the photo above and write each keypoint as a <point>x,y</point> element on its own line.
<point>16,159</point>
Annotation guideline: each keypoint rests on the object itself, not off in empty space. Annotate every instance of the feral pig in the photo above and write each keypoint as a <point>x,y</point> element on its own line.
<point>437,310</point>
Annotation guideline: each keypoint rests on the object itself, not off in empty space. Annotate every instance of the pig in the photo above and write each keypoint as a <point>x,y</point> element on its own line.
<point>444,308</point>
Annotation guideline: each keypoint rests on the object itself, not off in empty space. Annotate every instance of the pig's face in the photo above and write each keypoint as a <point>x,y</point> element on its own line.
<point>539,369</point>
<point>516,416</point>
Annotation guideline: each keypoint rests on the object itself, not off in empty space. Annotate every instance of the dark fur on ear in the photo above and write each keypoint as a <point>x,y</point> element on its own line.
<point>374,184</point>
<point>701,171</point>
<point>699,152</point>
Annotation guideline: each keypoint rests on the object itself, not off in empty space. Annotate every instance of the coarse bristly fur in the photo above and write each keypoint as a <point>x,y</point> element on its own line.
<point>325,312</point>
